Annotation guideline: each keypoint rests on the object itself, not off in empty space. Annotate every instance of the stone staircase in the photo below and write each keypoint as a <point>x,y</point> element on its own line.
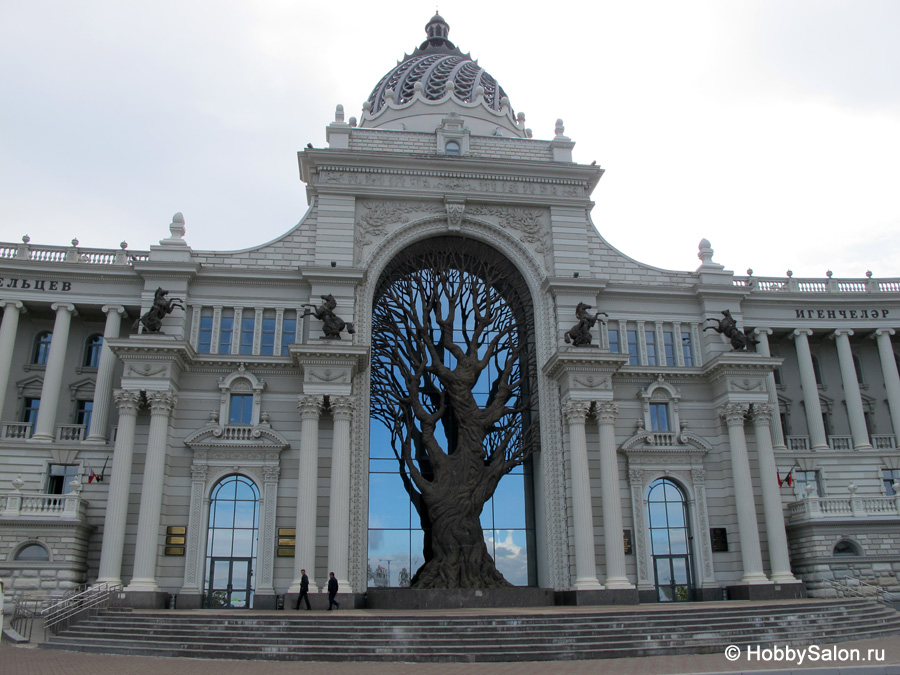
<point>544,634</point>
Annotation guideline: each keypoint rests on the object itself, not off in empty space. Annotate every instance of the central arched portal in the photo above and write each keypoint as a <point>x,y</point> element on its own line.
<point>453,420</point>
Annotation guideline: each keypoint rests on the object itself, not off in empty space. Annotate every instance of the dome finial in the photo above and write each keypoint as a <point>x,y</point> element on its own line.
<point>437,30</point>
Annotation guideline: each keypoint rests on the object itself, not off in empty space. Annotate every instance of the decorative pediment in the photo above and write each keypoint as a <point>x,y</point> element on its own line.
<point>656,442</point>
<point>213,440</point>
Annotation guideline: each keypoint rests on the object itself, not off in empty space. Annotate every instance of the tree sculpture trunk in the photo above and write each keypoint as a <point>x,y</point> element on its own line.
<point>450,327</point>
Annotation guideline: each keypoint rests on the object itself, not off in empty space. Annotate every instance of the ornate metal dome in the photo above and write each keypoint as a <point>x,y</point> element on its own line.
<point>436,63</point>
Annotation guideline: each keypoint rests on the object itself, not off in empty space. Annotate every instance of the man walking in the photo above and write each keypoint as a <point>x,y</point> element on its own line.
<point>304,590</point>
<point>332,591</point>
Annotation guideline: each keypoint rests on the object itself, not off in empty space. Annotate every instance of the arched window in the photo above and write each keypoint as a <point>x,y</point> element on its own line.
<point>232,543</point>
<point>93,349</point>
<point>670,541</point>
<point>452,148</point>
<point>844,548</point>
<point>33,553</point>
<point>42,348</point>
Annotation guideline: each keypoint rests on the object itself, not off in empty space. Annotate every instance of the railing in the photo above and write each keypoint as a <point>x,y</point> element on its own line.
<point>237,433</point>
<point>70,432</point>
<point>16,430</point>
<point>885,442</point>
<point>86,603</point>
<point>664,438</point>
<point>815,508</point>
<point>840,442</point>
<point>829,285</point>
<point>67,506</point>
<point>800,443</point>
<point>25,610</point>
<point>70,254</point>
<point>856,588</point>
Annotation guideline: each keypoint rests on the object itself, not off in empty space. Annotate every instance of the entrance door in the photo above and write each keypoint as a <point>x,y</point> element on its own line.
<point>230,583</point>
<point>232,543</point>
<point>670,541</point>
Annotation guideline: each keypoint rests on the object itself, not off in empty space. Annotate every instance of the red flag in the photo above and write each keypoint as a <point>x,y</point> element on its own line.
<point>790,478</point>
<point>778,476</point>
<point>92,476</point>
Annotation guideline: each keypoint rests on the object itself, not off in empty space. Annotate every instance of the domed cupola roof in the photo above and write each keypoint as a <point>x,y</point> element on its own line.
<point>436,70</point>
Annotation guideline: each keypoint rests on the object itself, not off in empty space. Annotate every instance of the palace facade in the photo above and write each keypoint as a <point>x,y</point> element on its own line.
<point>214,459</point>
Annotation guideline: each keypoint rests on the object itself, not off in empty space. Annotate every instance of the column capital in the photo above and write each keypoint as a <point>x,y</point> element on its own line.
<point>342,407</point>
<point>66,306</point>
<point>161,402</point>
<point>734,413</point>
<point>119,309</point>
<point>762,413</point>
<point>13,304</point>
<point>762,331</point>
<point>128,401</point>
<point>575,411</point>
<point>606,411</point>
<point>878,332</point>
<point>271,473</point>
<point>199,472</point>
<point>797,332</point>
<point>838,332</point>
<point>310,405</point>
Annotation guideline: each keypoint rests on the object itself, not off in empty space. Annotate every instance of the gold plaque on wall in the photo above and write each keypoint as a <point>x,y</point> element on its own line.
<point>176,529</point>
<point>175,541</point>
<point>287,531</point>
<point>285,552</point>
<point>287,542</point>
<point>174,550</point>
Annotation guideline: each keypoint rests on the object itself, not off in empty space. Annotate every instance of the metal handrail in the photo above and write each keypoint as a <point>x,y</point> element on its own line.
<point>88,602</point>
<point>878,593</point>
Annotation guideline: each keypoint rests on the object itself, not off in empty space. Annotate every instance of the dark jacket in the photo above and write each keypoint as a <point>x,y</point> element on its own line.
<point>304,584</point>
<point>333,585</point>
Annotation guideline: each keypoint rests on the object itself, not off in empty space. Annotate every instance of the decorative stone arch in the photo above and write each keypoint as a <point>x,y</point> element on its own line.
<point>28,543</point>
<point>846,547</point>
<point>552,556</point>
<point>241,381</point>
<point>660,391</point>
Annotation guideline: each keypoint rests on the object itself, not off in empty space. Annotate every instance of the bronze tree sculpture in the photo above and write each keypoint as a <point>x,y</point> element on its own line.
<point>451,352</point>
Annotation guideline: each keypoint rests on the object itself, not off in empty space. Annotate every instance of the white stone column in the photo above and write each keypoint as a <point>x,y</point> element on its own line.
<point>891,377</point>
<point>195,555</point>
<point>811,404</point>
<point>103,387</point>
<point>613,544</point>
<point>147,549</point>
<point>762,346</point>
<point>585,561</point>
<point>339,500</point>
<point>748,529</point>
<point>8,329</point>
<point>53,374</point>
<point>128,403</point>
<point>851,390</point>
<point>265,556</point>
<point>779,560</point>
<point>310,408</point>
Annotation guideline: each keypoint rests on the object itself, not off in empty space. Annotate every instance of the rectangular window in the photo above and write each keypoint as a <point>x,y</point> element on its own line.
<point>240,410</point>
<point>613,340</point>
<point>247,325</point>
<point>686,348</point>
<point>804,478</point>
<point>288,332</point>
<point>30,413</point>
<point>204,338</point>
<point>633,354</point>
<point>890,476</point>
<point>267,335</point>
<point>659,417</point>
<point>58,478</point>
<point>669,345</point>
<point>650,337</point>
<point>226,331</point>
<point>83,413</point>
<point>92,354</point>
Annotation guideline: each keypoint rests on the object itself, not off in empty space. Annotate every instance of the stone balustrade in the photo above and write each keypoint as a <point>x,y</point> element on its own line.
<point>817,508</point>
<point>33,505</point>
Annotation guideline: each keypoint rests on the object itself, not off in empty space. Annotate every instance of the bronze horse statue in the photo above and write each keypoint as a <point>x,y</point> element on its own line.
<point>727,326</point>
<point>152,319</point>
<point>580,333</point>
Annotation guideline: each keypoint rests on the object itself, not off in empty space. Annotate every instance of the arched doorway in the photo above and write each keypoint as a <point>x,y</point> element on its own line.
<point>453,424</point>
<point>670,541</point>
<point>232,543</point>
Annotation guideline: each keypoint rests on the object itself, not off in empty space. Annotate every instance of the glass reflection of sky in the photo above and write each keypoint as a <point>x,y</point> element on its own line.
<point>395,536</point>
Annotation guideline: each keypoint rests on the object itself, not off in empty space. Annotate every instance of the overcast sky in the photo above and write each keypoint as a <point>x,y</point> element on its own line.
<point>770,128</point>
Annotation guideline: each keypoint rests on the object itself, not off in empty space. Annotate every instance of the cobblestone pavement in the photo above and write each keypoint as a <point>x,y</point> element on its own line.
<point>20,660</point>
